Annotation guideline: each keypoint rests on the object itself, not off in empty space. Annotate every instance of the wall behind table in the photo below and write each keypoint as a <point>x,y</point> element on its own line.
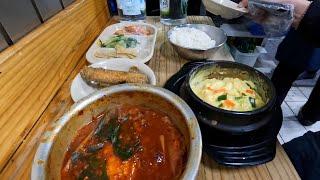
<point>47,8</point>
<point>3,42</point>
<point>33,69</point>
<point>19,17</point>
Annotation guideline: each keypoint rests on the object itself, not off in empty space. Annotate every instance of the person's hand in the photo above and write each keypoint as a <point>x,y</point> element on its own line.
<point>300,8</point>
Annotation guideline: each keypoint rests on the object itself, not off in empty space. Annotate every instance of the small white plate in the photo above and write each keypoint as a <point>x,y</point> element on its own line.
<point>145,48</point>
<point>79,89</point>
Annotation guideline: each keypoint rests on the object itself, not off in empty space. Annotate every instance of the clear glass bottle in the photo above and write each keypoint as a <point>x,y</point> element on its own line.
<point>131,10</point>
<point>173,12</point>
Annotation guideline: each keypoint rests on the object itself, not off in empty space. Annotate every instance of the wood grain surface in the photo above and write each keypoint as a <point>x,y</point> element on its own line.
<point>165,62</point>
<point>34,69</point>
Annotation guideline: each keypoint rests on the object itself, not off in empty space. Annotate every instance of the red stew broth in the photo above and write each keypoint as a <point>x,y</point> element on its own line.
<point>135,143</point>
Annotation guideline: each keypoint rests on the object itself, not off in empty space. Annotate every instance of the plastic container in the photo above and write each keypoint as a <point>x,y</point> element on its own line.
<point>247,58</point>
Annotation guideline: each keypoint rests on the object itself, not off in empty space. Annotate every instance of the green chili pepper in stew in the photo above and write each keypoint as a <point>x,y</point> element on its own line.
<point>222,97</point>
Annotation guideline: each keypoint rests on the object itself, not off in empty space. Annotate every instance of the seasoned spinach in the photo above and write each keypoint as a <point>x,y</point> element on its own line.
<point>119,40</point>
<point>131,42</point>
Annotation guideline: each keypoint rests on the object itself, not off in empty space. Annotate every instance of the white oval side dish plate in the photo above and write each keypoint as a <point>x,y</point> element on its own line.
<point>79,88</point>
<point>144,50</point>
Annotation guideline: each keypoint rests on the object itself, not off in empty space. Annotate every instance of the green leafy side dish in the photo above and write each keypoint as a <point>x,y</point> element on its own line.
<point>119,40</point>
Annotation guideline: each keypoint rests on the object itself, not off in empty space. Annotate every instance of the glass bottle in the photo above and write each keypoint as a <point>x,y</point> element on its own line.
<point>173,12</point>
<point>131,10</point>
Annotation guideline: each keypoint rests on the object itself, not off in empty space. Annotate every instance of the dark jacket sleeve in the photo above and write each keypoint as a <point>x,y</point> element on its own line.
<point>310,24</point>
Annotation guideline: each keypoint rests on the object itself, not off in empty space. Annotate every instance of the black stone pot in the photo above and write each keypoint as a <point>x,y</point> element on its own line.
<point>226,121</point>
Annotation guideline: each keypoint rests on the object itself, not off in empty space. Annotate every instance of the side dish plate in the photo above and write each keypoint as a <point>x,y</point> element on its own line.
<point>144,49</point>
<point>79,88</point>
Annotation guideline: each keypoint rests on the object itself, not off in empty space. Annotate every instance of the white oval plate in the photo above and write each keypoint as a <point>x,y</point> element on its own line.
<point>145,48</point>
<point>79,89</point>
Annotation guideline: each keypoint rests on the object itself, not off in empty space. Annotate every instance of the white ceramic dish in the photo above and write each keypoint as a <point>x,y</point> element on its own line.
<point>145,48</point>
<point>225,8</point>
<point>79,89</point>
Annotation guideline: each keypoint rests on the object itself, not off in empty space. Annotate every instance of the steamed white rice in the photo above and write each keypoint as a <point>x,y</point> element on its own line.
<point>192,38</point>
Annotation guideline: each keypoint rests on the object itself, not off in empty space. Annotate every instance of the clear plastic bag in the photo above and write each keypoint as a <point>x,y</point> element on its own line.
<point>275,18</point>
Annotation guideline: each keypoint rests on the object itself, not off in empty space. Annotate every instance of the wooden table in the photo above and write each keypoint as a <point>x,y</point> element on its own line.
<point>165,62</point>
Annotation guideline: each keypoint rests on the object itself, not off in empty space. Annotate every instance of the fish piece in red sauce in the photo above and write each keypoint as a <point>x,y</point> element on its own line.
<point>147,145</point>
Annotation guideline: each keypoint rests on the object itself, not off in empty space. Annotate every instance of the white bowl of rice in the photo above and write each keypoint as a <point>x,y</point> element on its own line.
<point>196,41</point>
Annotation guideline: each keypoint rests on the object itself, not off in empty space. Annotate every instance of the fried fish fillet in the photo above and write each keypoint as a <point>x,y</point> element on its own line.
<point>99,77</point>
